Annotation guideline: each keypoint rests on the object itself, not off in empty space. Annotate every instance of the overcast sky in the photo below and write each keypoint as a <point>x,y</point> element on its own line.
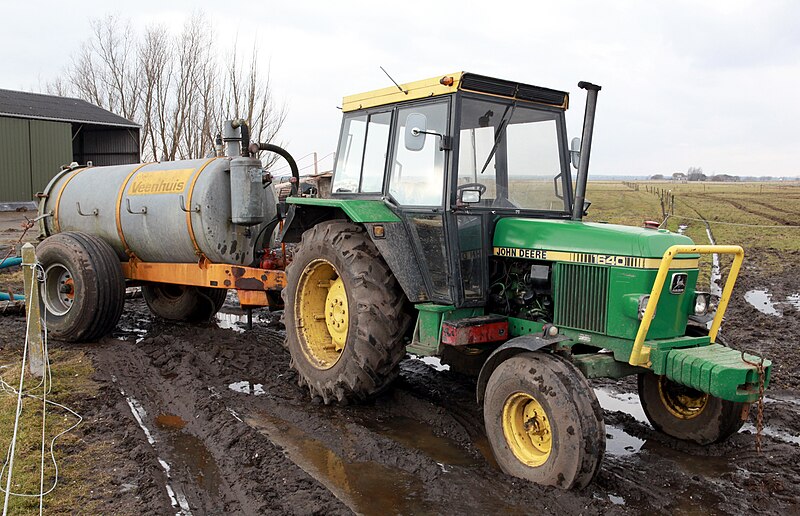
<point>685,83</point>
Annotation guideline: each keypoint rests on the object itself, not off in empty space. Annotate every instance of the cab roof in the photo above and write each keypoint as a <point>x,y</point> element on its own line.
<point>450,83</point>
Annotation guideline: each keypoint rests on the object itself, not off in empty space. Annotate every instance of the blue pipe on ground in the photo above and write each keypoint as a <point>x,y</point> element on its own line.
<point>10,262</point>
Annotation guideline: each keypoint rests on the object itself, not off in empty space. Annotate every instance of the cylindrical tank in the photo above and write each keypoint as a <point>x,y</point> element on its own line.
<point>174,212</point>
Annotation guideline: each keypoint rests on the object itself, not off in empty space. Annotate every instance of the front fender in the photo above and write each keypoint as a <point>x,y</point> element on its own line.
<point>507,350</point>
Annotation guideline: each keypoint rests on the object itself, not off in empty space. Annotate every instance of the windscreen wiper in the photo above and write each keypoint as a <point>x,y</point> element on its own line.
<point>501,127</point>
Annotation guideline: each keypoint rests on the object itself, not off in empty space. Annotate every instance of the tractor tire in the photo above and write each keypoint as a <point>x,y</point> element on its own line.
<point>543,421</point>
<point>83,293</point>
<point>183,303</point>
<point>687,414</point>
<point>345,314</point>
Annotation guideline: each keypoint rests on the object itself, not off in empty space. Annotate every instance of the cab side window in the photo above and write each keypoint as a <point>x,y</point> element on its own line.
<point>361,156</point>
<point>418,175</point>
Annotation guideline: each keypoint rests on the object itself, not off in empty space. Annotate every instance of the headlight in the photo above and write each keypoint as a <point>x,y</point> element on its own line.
<point>701,302</point>
<point>643,300</point>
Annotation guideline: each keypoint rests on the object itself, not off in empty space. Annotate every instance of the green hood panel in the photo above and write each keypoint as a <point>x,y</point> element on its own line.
<point>586,237</point>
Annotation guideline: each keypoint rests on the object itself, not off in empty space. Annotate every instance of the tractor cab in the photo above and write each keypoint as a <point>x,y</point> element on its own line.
<point>450,156</point>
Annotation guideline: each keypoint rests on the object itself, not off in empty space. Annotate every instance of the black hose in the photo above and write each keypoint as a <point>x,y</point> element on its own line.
<point>269,226</point>
<point>255,147</point>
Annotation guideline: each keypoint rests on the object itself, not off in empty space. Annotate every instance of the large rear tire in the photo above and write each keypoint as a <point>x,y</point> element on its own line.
<point>543,421</point>
<point>687,414</point>
<point>344,312</point>
<point>183,303</point>
<point>84,290</point>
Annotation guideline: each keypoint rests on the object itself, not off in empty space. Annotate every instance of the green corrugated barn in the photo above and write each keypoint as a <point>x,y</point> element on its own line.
<point>39,133</point>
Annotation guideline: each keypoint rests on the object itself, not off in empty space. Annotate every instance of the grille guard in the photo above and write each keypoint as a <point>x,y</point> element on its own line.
<point>640,354</point>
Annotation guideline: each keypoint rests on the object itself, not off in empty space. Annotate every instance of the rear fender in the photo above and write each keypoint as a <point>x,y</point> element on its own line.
<point>510,348</point>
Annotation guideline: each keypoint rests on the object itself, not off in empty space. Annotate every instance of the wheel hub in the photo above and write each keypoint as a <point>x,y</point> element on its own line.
<point>322,314</point>
<point>58,289</point>
<point>527,429</point>
<point>336,313</point>
<point>681,401</point>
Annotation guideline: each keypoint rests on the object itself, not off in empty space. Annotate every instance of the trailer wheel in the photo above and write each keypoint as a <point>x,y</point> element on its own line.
<point>685,413</point>
<point>183,303</point>
<point>543,421</point>
<point>83,292</point>
<point>344,312</point>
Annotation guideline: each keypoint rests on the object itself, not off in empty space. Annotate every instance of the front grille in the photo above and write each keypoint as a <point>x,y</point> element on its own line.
<point>581,296</point>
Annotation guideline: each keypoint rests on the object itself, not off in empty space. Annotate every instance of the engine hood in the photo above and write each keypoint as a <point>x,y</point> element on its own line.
<point>585,237</point>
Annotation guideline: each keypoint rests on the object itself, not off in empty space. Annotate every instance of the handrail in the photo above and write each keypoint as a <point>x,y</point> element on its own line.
<point>640,354</point>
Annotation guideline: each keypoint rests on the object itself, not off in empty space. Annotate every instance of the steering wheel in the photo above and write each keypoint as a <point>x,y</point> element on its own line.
<point>480,187</point>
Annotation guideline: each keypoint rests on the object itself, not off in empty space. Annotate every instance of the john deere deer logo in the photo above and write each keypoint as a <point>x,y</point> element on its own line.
<point>678,284</point>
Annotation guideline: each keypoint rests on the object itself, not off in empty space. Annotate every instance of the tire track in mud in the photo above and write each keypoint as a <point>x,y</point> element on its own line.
<point>744,208</point>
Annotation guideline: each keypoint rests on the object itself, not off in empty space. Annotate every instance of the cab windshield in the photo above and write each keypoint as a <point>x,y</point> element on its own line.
<point>509,152</point>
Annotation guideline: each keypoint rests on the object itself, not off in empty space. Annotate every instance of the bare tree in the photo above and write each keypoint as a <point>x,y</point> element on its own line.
<point>173,85</point>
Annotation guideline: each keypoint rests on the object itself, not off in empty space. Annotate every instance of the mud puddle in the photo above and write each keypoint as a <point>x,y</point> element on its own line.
<point>417,435</point>
<point>762,300</point>
<point>190,455</point>
<point>365,487</point>
<point>620,442</point>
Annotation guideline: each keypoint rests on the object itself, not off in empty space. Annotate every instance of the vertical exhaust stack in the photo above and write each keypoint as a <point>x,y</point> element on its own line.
<point>586,148</point>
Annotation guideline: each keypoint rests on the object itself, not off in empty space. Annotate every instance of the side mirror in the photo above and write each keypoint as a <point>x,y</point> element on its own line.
<point>575,152</point>
<point>416,127</point>
<point>470,196</point>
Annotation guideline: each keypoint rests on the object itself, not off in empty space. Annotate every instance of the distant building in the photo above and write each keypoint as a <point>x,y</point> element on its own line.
<point>679,177</point>
<point>39,133</point>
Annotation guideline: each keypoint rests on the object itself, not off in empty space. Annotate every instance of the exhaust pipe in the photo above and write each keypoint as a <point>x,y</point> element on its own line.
<point>586,148</point>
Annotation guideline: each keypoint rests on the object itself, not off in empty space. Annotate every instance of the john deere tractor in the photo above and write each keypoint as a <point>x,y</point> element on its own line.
<point>453,230</point>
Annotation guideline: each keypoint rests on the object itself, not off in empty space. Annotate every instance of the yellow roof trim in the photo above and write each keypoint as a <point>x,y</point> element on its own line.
<point>416,90</point>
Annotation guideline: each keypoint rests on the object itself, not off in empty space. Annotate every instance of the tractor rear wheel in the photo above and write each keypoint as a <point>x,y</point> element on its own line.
<point>83,292</point>
<point>687,414</point>
<point>344,312</point>
<point>543,421</point>
<point>183,303</point>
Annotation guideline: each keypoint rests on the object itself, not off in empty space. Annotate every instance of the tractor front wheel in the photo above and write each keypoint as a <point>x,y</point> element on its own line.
<point>344,312</point>
<point>543,421</point>
<point>687,414</point>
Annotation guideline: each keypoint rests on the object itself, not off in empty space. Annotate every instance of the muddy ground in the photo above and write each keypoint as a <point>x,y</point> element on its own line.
<point>209,419</point>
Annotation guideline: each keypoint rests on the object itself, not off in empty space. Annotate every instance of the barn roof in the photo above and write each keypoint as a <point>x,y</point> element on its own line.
<point>23,104</point>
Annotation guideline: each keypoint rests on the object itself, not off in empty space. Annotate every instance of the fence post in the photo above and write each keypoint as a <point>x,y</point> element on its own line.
<point>34,333</point>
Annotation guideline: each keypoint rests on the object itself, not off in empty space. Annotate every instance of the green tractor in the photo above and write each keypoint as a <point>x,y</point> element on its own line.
<point>453,230</point>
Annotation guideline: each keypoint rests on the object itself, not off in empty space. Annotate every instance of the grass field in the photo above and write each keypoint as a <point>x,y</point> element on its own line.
<point>77,461</point>
<point>757,216</point>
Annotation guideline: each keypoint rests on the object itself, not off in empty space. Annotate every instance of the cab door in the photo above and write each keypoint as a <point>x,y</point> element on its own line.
<point>416,185</point>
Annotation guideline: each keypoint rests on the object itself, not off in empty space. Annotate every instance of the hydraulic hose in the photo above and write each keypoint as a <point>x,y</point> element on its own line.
<point>255,147</point>
<point>6,297</point>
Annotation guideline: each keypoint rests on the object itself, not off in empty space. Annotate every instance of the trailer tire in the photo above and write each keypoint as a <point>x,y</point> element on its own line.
<point>687,414</point>
<point>543,421</point>
<point>345,314</point>
<point>90,269</point>
<point>183,303</point>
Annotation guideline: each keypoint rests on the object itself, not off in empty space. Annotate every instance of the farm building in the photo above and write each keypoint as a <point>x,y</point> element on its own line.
<point>39,133</point>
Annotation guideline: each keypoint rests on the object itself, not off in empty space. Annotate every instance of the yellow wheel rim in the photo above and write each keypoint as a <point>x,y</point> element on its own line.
<point>527,429</point>
<point>322,312</point>
<point>681,401</point>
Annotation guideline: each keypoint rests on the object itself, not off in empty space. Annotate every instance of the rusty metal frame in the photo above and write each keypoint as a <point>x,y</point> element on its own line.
<point>251,283</point>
